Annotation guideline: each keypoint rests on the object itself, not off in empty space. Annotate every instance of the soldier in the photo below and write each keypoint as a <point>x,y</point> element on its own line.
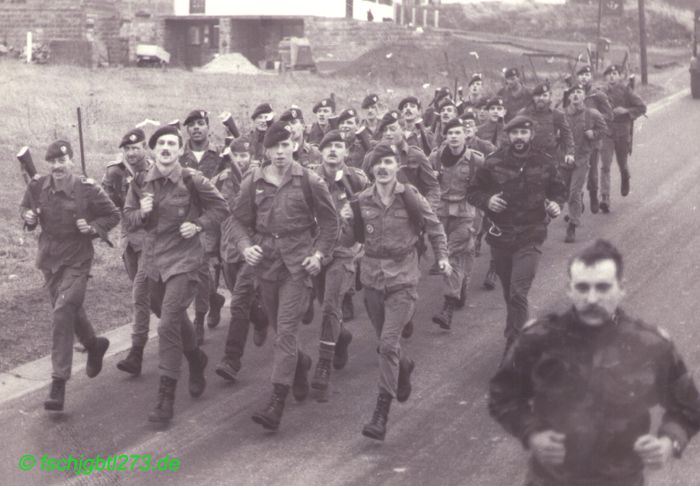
<point>357,138</point>
<point>447,110</point>
<point>588,126</point>
<point>515,96</point>
<point>519,189</point>
<point>577,388</point>
<point>372,118</point>
<point>595,98</point>
<point>475,96</point>
<point>72,211</point>
<point>393,216</point>
<point>132,169</point>
<point>304,153</point>
<point>174,205</point>
<point>431,113</point>
<point>492,129</point>
<point>324,111</point>
<point>278,207</point>
<point>200,155</point>
<point>337,277</point>
<point>473,141</point>
<point>456,165</point>
<point>627,106</point>
<point>262,117</point>
<point>418,134</point>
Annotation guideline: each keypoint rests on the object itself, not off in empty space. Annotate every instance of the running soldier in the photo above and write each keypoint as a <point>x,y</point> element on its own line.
<point>515,96</point>
<point>372,117</point>
<point>324,111</point>
<point>262,117</point>
<point>418,134</point>
<point>304,153</point>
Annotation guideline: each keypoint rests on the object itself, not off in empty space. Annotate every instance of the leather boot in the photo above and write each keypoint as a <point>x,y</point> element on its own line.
<point>403,391</point>
<point>197,360</point>
<point>605,206</point>
<point>259,320</point>
<point>407,330</point>
<point>228,369</point>
<point>624,183</point>
<point>216,302</point>
<point>132,363</point>
<point>163,411</point>
<point>57,395</point>
<point>322,378</point>
<point>348,309</point>
<point>570,233</point>
<point>340,356</point>
<point>96,351</point>
<point>270,416</point>
<point>376,428</point>
<point>199,327</point>
<point>490,279</point>
<point>594,202</point>
<point>444,317</point>
<point>300,387</point>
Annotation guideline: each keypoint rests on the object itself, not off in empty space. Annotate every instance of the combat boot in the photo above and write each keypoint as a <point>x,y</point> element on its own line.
<point>271,415</point>
<point>594,202</point>
<point>490,279</point>
<point>376,428</point>
<point>403,390</point>
<point>322,378</point>
<point>57,395</point>
<point>259,320</point>
<point>163,411</point>
<point>95,352</point>
<point>197,360</point>
<point>570,233</point>
<point>216,302</point>
<point>199,327</point>
<point>605,207</point>
<point>340,356</point>
<point>228,369</point>
<point>444,317</point>
<point>624,183</point>
<point>407,330</point>
<point>300,386</point>
<point>132,363</point>
<point>348,309</point>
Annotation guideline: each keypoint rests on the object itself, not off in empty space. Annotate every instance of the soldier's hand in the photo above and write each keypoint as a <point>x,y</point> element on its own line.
<point>590,135</point>
<point>146,204</point>
<point>548,447</point>
<point>654,451</point>
<point>84,227</point>
<point>346,212</point>
<point>253,255</point>
<point>497,203</point>
<point>552,208</point>
<point>225,116</point>
<point>569,160</point>
<point>188,230</point>
<point>445,267</point>
<point>30,217</point>
<point>312,265</point>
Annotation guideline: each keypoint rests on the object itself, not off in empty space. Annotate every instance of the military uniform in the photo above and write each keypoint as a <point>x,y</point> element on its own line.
<point>308,155</point>
<point>514,100</point>
<point>596,386</point>
<point>318,131</point>
<point>596,98</point>
<point>525,181</point>
<point>552,131</point>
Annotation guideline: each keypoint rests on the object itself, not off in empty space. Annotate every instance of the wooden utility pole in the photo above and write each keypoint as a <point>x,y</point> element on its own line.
<point>597,34</point>
<point>643,43</point>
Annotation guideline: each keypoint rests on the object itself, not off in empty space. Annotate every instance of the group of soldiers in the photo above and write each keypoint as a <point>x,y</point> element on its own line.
<point>290,214</point>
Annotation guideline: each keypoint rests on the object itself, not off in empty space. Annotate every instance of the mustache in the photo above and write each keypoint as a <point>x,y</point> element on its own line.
<point>381,172</point>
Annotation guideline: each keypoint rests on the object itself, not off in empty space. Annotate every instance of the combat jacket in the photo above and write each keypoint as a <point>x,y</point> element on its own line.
<point>165,252</point>
<point>308,155</point>
<point>581,120</point>
<point>622,95</point>
<point>61,244</point>
<point>596,386</point>
<point>493,132</point>
<point>414,138</point>
<point>596,98</point>
<point>116,181</point>
<point>282,223</point>
<point>525,182</point>
<point>228,182</point>
<point>209,165</point>
<point>514,101</point>
<point>257,149</point>
<point>356,152</point>
<point>391,259</point>
<point>372,131</point>
<point>552,131</point>
<point>454,181</point>
<point>317,132</point>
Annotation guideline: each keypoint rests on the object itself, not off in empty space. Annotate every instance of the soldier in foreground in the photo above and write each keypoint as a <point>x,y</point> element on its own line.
<point>393,216</point>
<point>71,211</point>
<point>576,388</point>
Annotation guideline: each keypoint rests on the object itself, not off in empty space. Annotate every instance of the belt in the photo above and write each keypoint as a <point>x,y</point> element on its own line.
<point>387,255</point>
<point>286,233</point>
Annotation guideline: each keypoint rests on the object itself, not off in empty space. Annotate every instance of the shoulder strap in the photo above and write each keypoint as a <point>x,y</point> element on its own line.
<point>306,189</point>
<point>413,209</point>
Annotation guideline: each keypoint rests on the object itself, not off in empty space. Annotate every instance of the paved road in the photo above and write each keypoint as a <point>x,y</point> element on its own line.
<point>443,434</point>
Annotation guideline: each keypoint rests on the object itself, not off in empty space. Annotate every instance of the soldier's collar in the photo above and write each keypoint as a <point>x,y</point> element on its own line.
<point>154,173</point>
<point>207,147</point>
<point>67,187</point>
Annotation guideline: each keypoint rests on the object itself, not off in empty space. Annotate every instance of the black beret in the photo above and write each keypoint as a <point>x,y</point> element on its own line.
<point>440,93</point>
<point>331,136</point>
<point>408,99</point>
<point>370,100</point>
<point>59,148</point>
<point>541,89</point>
<point>347,114</point>
<point>135,135</point>
<point>584,69</point>
<point>379,152</point>
<point>511,72</point>
<point>576,86</point>
<point>454,123</point>
<point>469,114</point>
<point>475,77</point>
<point>278,132</point>
<point>197,115</point>
<point>241,144</point>
<point>294,113</point>
<point>495,101</point>
<point>164,130</point>
<point>447,101</point>
<point>389,118</point>
<point>262,109</point>
<point>325,102</point>
<point>520,121</point>
<point>611,68</point>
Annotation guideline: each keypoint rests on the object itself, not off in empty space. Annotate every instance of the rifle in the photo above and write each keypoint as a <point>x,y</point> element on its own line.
<point>423,138</point>
<point>29,173</point>
<point>230,124</point>
<point>80,139</point>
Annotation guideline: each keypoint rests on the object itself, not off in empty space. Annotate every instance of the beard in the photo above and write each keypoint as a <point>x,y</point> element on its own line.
<point>520,146</point>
